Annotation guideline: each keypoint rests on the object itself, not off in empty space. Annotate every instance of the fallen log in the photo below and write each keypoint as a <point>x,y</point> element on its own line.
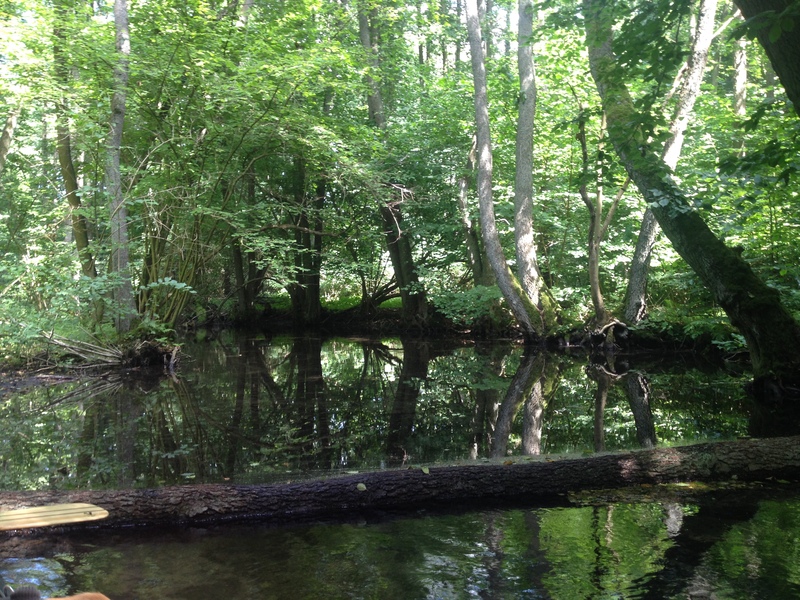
<point>532,479</point>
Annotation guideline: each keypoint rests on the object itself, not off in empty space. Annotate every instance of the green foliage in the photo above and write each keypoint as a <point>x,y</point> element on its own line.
<point>466,309</point>
<point>251,131</point>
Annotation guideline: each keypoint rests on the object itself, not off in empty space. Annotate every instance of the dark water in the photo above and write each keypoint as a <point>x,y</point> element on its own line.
<point>255,409</point>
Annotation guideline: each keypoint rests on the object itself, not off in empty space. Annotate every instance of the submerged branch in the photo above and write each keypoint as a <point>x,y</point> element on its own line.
<point>142,353</point>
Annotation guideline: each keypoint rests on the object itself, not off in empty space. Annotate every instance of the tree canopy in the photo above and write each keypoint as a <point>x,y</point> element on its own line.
<point>317,155</point>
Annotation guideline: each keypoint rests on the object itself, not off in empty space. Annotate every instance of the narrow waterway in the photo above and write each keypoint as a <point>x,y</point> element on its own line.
<point>255,409</point>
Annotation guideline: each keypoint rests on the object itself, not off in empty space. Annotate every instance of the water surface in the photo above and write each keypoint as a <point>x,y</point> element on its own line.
<point>259,409</point>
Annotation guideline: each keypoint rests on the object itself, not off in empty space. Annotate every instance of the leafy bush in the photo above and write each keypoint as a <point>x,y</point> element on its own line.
<point>468,307</point>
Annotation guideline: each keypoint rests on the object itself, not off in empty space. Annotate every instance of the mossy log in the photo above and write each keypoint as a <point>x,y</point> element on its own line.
<point>534,480</point>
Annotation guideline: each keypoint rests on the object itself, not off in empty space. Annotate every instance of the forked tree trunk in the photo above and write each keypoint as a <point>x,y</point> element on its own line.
<point>524,311</point>
<point>772,334</point>
<point>529,479</point>
<point>598,222</point>
<point>398,243</point>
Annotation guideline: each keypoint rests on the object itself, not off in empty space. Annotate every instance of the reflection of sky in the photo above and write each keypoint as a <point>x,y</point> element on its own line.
<point>47,574</point>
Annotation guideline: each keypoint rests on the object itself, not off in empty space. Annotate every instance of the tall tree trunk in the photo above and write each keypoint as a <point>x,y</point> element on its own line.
<point>313,239</point>
<point>598,223</point>
<point>740,78</point>
<point>783,49</point>
<point>740,86</point>
<point>120,263</point>
<point>772,334</point>
<point>368,36</point>
<point>524,311</point>
<point>305,291</point>
<point>7,136</point>
<point>636,294</point>
<point>80,227</point>
<point>481,274</point>
<point>413,297</point>
<point>308,259</point>
<point>244,302</point>
<point>530,277</point>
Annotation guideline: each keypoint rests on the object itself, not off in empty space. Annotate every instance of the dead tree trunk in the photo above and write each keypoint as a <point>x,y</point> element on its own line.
<point>532,479</point>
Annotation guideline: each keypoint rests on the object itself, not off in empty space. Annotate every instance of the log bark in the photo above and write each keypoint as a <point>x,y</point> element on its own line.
<point>530,479</point>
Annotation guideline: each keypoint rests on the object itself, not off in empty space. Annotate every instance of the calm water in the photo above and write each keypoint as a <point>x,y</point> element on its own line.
<point>256,409</point>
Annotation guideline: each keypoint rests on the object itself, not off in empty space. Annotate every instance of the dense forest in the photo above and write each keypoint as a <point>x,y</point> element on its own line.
<point>478,167</point>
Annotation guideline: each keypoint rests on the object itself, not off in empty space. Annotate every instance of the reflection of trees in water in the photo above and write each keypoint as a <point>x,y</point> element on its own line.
<point>416,355</point>
<point>637,389</point>
<point>531,387</point>
<point>484,399</point>
<point>259,409</point>
<point>294,404</point>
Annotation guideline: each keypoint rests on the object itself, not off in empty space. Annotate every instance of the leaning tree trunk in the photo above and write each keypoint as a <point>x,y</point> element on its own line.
<point>636,293</point>
<point>783,49</point>
<point>412,294</point>
<point>529,479</point>
<point>524,311</point>
<point>772,334</point>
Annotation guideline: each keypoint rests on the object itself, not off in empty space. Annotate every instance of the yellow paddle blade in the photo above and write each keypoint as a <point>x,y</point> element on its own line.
<point>54,514</point>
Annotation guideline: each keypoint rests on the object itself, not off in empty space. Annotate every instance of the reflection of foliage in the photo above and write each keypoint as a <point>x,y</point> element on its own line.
<point>255,409</point>
<point>611,549</point>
